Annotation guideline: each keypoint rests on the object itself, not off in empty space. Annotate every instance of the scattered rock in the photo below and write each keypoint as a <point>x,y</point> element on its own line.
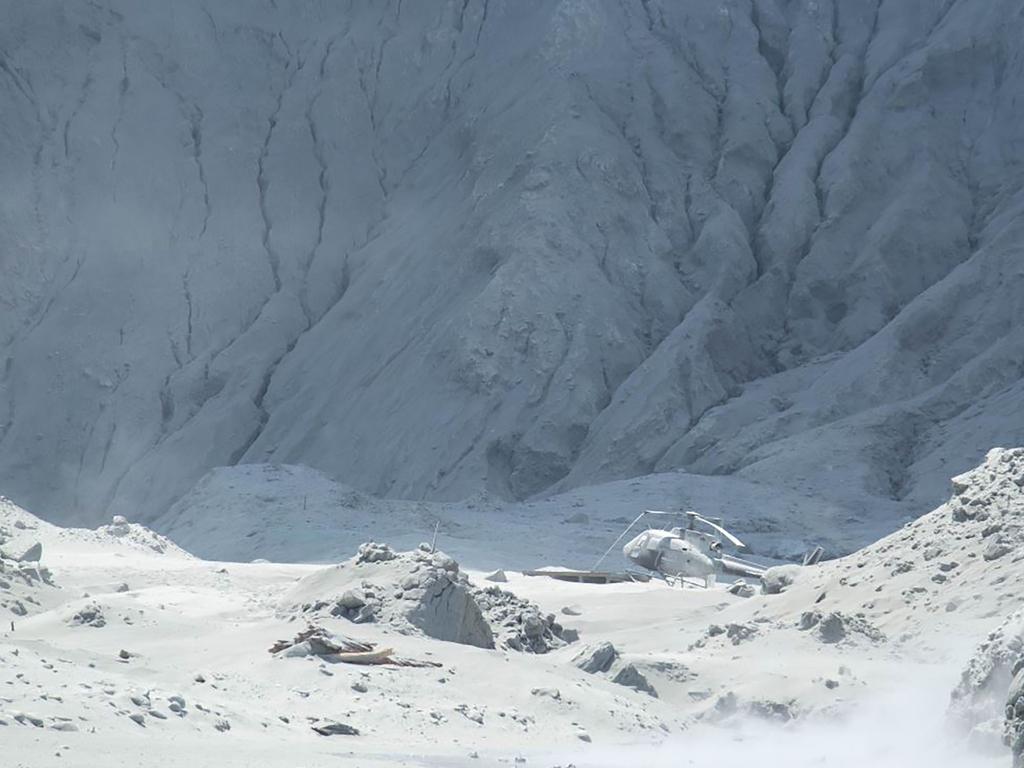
<point>996,549</point>
<point>596,658</point>
<point>470,713</point>
<point>31,555</point>
<point>372,552</point>
<point>498,577</point>
<point>518,624</point>
<point>835,627</point>
<point>779,578</point>
<point>89,616</point>
<point>741,588</point>
<point>832,629</point>
<point>738,633</point>
<point>28,719</point>
<point>352,599</point>
<point>548,693</point>
<point>772,710</point>
<point>118,526</point>
<point>631,677</point>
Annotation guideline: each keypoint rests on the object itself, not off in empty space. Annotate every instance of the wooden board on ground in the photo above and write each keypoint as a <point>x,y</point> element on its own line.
<point>591,577</point>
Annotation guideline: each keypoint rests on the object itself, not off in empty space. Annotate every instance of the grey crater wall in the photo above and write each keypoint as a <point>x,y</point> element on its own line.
<point>434,248</point>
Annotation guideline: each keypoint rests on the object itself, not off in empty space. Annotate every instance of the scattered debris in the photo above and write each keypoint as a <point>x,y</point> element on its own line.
<point>334,728</point>
<point>319,642</point>
<point>316,641</point>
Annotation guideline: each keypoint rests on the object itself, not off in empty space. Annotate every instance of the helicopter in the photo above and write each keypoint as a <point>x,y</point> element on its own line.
<point>685,552</point>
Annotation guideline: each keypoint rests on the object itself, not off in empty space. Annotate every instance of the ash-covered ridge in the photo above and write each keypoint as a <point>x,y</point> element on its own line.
<point>434,249</point>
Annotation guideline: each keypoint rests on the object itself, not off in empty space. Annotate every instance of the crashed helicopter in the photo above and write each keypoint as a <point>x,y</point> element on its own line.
<point>685,554</point>
<point>686,551</point>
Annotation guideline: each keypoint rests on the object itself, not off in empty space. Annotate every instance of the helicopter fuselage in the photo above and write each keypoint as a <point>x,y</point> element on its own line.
<point>677,553</point>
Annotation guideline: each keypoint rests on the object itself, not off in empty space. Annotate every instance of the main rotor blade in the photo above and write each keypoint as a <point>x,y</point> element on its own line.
<point>735,542</point>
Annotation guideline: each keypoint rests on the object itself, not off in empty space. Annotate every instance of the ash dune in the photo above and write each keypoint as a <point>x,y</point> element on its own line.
<point>438,249</point>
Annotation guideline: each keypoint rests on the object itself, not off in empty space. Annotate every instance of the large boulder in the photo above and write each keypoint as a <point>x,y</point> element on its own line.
<point>442,606</point>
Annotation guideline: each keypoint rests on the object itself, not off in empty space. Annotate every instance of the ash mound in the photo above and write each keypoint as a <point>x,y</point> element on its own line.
<point>24,581</point>
<point>424,592</point>
<point>139,537</point>
<point>962,562</point>
<point>953,573</point>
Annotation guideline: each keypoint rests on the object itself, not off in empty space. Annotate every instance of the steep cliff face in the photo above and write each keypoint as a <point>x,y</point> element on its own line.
<point>437,248</point>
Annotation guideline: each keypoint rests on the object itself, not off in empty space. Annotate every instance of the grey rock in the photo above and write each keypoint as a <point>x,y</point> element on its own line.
<point>372,552</point>
<point>27,718</point>
<point>596,658</point>
<point>631,677</point>
<point>832,629</point>
<point>778,578</point>
<point>547,693</point>
<point>32,555</point>
<point>533,625</point>
<point>352,599</point>
<point>741,588</point>
<point>90,616</point>
<point>996,549</point>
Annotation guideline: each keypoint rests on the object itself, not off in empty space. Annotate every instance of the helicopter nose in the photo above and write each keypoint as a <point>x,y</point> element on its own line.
<point>634,547</point>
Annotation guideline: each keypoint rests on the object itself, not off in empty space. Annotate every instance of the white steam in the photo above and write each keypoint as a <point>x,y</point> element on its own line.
<point>907,729</point>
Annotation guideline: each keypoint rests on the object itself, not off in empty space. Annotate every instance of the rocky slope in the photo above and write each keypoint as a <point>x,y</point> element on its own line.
<point>436,248</point>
